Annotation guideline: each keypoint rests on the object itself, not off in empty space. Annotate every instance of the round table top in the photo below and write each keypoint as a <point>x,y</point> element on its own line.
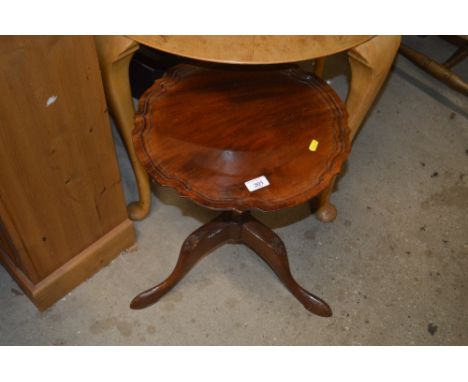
<point>207,130</point>
<point>252,49</point>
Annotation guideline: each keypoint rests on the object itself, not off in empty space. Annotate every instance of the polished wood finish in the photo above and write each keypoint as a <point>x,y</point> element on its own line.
<point>206,130</point>
<point>60,192</point>
<point>252,49</point>
<point>246,123</point>
<point>370,59</point>
<point>242,228</point>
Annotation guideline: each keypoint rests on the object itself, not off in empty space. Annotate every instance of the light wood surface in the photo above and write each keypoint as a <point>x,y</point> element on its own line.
<point>252,49</point>
<point>72,273</point>
<point>370,59</point>
<point>370,63</point>
<point>115,53</point>
<point>60,188</point>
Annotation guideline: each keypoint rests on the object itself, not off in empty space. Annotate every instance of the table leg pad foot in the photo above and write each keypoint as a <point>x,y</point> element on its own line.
<point>326,213</point>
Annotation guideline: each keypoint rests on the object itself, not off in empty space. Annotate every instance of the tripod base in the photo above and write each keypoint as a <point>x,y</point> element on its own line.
<point>232,227</point>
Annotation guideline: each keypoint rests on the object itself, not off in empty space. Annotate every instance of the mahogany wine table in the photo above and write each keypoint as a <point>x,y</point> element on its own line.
<point>233,139</point>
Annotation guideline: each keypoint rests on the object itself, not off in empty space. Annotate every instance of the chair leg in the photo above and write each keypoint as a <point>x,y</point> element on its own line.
<point>439,71</point>
<point>458,56</point>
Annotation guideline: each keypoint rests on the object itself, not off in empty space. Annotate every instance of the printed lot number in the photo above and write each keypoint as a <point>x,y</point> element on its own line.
<point>257,183</point>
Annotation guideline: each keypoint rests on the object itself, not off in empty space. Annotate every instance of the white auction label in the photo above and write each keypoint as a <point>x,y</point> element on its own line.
<point>257,183</point>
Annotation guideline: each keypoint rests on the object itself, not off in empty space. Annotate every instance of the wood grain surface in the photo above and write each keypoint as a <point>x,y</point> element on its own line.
<point>205,130</point>
<point>60,188</point>
<point>252,49</point>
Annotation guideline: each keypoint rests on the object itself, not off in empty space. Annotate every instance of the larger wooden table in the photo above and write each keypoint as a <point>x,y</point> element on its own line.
<point>370,59</point>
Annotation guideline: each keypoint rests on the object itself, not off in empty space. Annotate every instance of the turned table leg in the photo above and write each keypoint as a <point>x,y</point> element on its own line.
<point>231,227</point>
<point>370,63</point>
<point>115,53</point>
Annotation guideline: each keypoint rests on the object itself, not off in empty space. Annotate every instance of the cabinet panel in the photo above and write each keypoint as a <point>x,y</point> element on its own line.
<point>60,186</point>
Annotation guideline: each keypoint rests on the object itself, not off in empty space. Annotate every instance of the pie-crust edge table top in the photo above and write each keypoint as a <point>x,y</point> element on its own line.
<point>206,131</point>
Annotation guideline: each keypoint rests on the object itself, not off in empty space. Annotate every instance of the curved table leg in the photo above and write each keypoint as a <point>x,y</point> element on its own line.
<point>115,53</point>
<point>196,246</point>
<point>267,245</point>
<point>370,63</point>
<point>326,211</point>
<point>232,227</point>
